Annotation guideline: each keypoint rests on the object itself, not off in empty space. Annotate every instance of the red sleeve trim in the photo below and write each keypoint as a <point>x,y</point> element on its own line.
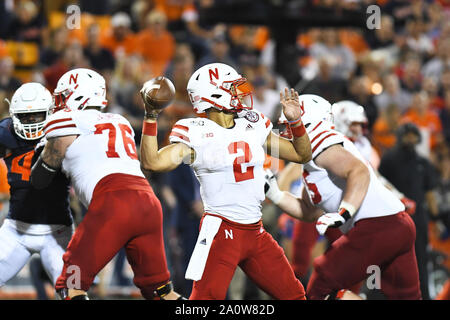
<point>179,135</point>
<point>61,127</point>
<point>318,136</point>
<point>320,142</point>
<point>56,121</point>
<point>179,126</point>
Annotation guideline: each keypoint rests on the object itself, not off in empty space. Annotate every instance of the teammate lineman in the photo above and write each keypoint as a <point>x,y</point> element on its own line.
<point>226,151</point>
<point>342,191</point>
<point>97,151</point>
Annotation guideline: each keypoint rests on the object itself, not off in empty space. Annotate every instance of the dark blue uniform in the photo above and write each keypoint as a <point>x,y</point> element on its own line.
<point>27,204</point>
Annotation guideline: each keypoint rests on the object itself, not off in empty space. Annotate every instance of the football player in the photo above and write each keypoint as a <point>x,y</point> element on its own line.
<point>97,151</point>
<point>227,151</point>
<point>38,221</point>
<point>349,118</point>
<point>342,190</point>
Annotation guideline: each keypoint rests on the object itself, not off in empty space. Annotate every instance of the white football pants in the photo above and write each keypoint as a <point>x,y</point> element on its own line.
<point>19,241</point>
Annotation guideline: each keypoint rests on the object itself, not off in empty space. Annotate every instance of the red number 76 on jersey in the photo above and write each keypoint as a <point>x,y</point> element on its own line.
<point>126,134</point>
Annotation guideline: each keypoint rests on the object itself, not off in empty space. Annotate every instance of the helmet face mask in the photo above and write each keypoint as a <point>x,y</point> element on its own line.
<point>219,86</point>
<point>80,88</point>
<point>29,108</point>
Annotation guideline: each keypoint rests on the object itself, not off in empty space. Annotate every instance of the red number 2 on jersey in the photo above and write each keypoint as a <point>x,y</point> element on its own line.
<point>246,158</point>
<point>126,134</point>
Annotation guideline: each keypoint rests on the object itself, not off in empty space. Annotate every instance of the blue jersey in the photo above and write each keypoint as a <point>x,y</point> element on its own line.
<point>27,204</point>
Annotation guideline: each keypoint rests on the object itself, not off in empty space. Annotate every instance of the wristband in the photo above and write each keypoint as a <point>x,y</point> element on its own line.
<point>275,196</point>
<point>299,131</point>
<point>149,129</point>
<point>346,210</point>
<point>294,122</point>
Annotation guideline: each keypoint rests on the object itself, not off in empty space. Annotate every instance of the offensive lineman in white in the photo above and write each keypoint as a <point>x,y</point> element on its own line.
<point>341,190</point>
<point>98,152</point>
<point>226,151</point>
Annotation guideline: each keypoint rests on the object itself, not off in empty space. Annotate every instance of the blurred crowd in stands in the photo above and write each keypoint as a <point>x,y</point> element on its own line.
<point>399,73</point>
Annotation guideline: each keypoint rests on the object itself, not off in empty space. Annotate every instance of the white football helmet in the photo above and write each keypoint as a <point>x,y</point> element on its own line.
<point>315,110</point>
<point>80,88</point>
<point>216,86</point>
<point>29,107</point>
<point>345,113</point>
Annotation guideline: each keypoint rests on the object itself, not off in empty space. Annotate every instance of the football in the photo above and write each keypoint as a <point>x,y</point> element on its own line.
<point>158,92</point>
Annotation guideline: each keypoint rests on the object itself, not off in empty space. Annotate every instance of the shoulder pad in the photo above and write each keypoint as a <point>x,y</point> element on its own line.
<point>7,137</point>
<point>182,130</point>
<point>322,138</point>
<point>60,124</point>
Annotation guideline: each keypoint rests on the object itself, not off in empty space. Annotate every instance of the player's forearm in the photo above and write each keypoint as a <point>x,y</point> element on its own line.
<point>358,180</point>
<point>149,148</point>
<point>302,146</point>
<point>288,175</point>
<point>298,208</point>
<point>153,159</point>
<point>301,141</point>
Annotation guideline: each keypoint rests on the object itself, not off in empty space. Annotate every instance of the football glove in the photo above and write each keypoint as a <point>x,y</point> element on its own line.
<point>329,220</point>
<point>273,192</point>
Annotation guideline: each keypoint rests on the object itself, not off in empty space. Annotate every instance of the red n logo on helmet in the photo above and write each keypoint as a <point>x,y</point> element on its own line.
<point>302,107</point>
<point>74,78</point>
<point>214,73</point>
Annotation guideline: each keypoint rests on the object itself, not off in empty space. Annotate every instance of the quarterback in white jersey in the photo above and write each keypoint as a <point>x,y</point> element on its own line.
<point>225,157</point>
<point>97,151</point>
<point>342,190</point>
<point>227,150</point>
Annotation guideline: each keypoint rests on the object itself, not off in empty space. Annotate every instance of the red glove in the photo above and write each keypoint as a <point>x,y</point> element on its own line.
<point>410,205</point>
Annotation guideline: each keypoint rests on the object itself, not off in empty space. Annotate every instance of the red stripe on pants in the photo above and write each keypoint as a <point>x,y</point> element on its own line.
<point>124,212</point>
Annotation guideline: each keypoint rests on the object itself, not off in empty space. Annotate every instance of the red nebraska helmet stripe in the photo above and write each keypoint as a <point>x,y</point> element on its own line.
<point>316,126</point>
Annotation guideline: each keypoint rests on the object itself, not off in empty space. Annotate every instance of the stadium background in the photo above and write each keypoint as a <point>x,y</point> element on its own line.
<point>399,73</point>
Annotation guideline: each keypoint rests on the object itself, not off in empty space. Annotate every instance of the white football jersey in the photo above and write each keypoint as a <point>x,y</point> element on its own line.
<point>228,163</point>
<point>105,145</point>
<point>326,190</point>
<point>364,147</point>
